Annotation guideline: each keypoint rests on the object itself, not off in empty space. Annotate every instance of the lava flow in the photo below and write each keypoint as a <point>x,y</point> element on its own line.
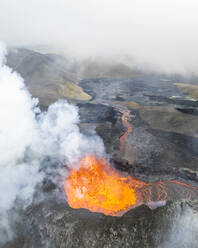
<point>125,145</point>
<point>100,188</point>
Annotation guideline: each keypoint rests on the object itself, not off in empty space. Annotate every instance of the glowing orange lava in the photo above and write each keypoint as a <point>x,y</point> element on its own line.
<point>99,188</point>
<point>125,144</point>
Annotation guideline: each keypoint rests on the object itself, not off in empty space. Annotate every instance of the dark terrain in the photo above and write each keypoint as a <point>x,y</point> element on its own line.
<point>164,116</point>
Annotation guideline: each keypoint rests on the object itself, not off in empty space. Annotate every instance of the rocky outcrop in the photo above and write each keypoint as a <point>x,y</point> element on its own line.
<point>55,225</point>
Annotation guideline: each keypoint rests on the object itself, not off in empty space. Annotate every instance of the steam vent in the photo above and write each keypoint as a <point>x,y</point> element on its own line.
<point>106,157</point>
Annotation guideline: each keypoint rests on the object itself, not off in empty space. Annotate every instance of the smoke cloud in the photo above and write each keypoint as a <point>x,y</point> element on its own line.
<point>28,136</point>
<point>158,34</point>
<point>183,232</point>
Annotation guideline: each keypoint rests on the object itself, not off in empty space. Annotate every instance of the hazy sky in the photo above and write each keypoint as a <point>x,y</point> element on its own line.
<point>161,33</point>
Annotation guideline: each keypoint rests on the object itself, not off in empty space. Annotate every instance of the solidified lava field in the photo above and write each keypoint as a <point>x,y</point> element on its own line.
<point>144,192</point>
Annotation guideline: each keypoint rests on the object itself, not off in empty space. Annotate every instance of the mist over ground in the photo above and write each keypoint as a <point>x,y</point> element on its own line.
<point>156,34</point>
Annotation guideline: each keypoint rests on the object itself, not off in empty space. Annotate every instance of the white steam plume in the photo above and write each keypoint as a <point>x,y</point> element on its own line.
<point>184,230</point>
<point>27,136</point>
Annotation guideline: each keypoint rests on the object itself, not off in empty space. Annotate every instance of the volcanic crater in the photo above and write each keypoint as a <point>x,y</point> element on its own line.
<point>151,141</point>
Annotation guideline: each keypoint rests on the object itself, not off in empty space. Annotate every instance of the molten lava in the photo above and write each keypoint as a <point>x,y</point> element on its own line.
<point>125,144</point>
<point>99,188</point>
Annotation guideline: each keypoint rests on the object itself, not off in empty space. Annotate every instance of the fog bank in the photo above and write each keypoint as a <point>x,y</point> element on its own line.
<point>161,35</point>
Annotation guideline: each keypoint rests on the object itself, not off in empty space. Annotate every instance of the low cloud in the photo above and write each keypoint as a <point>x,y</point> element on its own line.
<point>156,34</point>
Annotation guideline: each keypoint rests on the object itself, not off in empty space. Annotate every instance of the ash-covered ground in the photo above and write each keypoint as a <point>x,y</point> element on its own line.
<point>163,113</point>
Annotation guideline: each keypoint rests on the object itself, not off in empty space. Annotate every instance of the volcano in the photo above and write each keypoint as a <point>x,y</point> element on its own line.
<point>140,192</point>
<point>98,187</point>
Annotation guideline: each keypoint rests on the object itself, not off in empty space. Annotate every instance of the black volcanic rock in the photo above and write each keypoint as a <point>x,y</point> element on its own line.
<point>55,225</point>
<point>164,139</point>
<point>163,118</point>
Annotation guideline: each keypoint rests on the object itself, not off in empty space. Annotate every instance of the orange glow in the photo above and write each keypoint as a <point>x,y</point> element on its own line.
<point>99,188</point>
<point>124,142</point>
